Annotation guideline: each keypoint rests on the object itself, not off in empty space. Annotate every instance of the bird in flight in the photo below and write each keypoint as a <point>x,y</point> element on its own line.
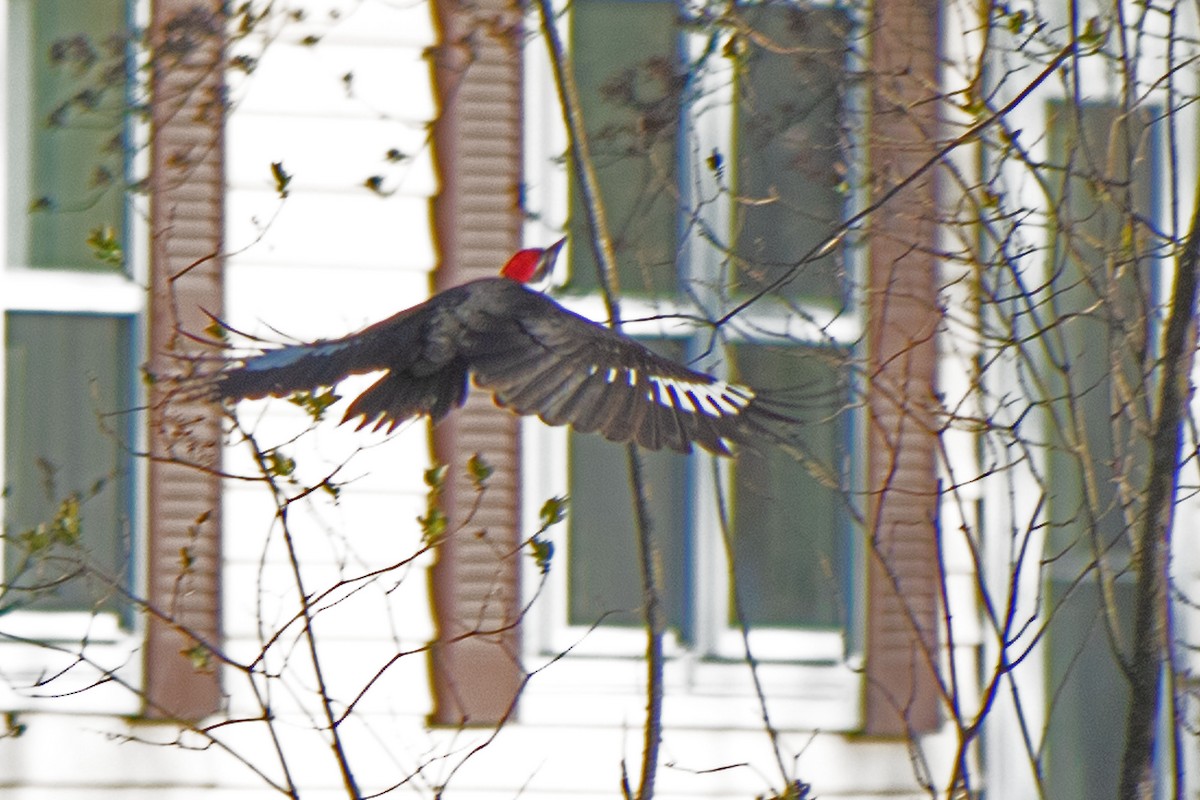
<point>533,355</point>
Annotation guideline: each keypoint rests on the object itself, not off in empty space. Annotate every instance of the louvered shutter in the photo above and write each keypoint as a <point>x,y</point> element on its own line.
<point>186,221</point>
<point>477,141</point>
<point>902,552</point>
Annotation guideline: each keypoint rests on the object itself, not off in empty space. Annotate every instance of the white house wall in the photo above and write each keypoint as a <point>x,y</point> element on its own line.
<point>330,258</point>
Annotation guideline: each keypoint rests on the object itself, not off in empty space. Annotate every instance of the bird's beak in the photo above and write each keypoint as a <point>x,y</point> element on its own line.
<point>549,257</point>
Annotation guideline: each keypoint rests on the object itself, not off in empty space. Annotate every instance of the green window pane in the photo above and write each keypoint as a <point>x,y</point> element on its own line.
<point>1102,294</point>
<point>788,164</point>
<point>789,517</point>
<point>604,576</point>
<point>627,65</point>
<point>67,430</point>
<point>68,69</point>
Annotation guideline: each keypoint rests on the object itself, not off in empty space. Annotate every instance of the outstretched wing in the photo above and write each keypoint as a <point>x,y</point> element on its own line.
<point>416,349</point>
<point>568,370</point>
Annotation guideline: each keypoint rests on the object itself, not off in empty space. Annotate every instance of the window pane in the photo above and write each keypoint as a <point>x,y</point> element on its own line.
<point>67,150</point>
<point>1103,292</point>
<point>790,533</point>
<point>604,573</point>
<point>626,64</point>
<point>66,375</point>
<point>789,148</point>
<point>1102,296</point>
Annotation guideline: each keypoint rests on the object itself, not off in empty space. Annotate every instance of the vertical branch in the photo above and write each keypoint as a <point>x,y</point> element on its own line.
<point>1150,636</point>
<point>282,504</point>
<point>744,629</point>
<point>655,624</point>
<point>606,265</point>
<point>581,162</point>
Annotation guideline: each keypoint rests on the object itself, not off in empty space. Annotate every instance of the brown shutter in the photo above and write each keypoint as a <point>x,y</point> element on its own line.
<point>477,143</point>
<point>902,574</point>
<point>186,221</point>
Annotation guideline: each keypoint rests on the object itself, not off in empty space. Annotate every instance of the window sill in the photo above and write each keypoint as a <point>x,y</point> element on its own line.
<point>580,690</point>
<point>66,291</point>
<point>68,662</point>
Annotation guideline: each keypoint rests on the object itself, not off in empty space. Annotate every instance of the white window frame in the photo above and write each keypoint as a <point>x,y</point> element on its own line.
<point>38,645</point>
<point>823,688</point>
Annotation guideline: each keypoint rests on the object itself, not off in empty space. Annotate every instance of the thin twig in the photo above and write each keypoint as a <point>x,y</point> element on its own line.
<point>606,267</point>
<point>282,504</point>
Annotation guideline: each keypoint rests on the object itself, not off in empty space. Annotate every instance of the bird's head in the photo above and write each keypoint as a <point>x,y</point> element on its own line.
<point>534,264</point>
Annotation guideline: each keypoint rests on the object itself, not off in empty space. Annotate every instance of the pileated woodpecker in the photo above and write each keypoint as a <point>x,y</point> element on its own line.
<point>533,355</point>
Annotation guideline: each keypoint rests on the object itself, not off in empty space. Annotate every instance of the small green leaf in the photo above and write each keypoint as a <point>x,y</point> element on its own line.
<point>735,47</point>
<point>105,247</point>
<point>217,331</point>
<point>244,63</point>
<point>36,539</point>
<point>1093,33</point>
<point>542,551</point>
<point>13,726</point>
<point>553,511</point>
<point>479,470</point>
<point>279,465</point>
<point>375,184</point>
<point>66,521</point>
<point>315,404</point>
<point>199,656</point>
<point>435,477</point>
<point>716,163</point>
<point>433,525</point>
<point>282,178</point>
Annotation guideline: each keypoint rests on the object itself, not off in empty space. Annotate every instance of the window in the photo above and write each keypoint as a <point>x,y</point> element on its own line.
<point>720,169</point>
<point>79,323</point>
<point>1103,281</point>
<point>72,305</point>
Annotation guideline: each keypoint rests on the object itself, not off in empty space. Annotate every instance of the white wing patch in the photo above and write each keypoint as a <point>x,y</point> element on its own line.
<point>716,399</point>
<point>613,373</point>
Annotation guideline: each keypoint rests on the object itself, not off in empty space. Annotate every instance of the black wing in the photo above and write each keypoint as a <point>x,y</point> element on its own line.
<point>417,349</point>
<point>569,370</point>
<point>536,357</point>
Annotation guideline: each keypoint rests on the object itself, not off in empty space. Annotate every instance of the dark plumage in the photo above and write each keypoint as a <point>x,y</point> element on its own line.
<point>533,355</point>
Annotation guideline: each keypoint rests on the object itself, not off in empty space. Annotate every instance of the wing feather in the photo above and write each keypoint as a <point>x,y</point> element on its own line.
<point>568,369</point>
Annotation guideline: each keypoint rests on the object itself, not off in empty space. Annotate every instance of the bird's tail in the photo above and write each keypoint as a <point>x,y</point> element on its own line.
<point>397,397</point>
